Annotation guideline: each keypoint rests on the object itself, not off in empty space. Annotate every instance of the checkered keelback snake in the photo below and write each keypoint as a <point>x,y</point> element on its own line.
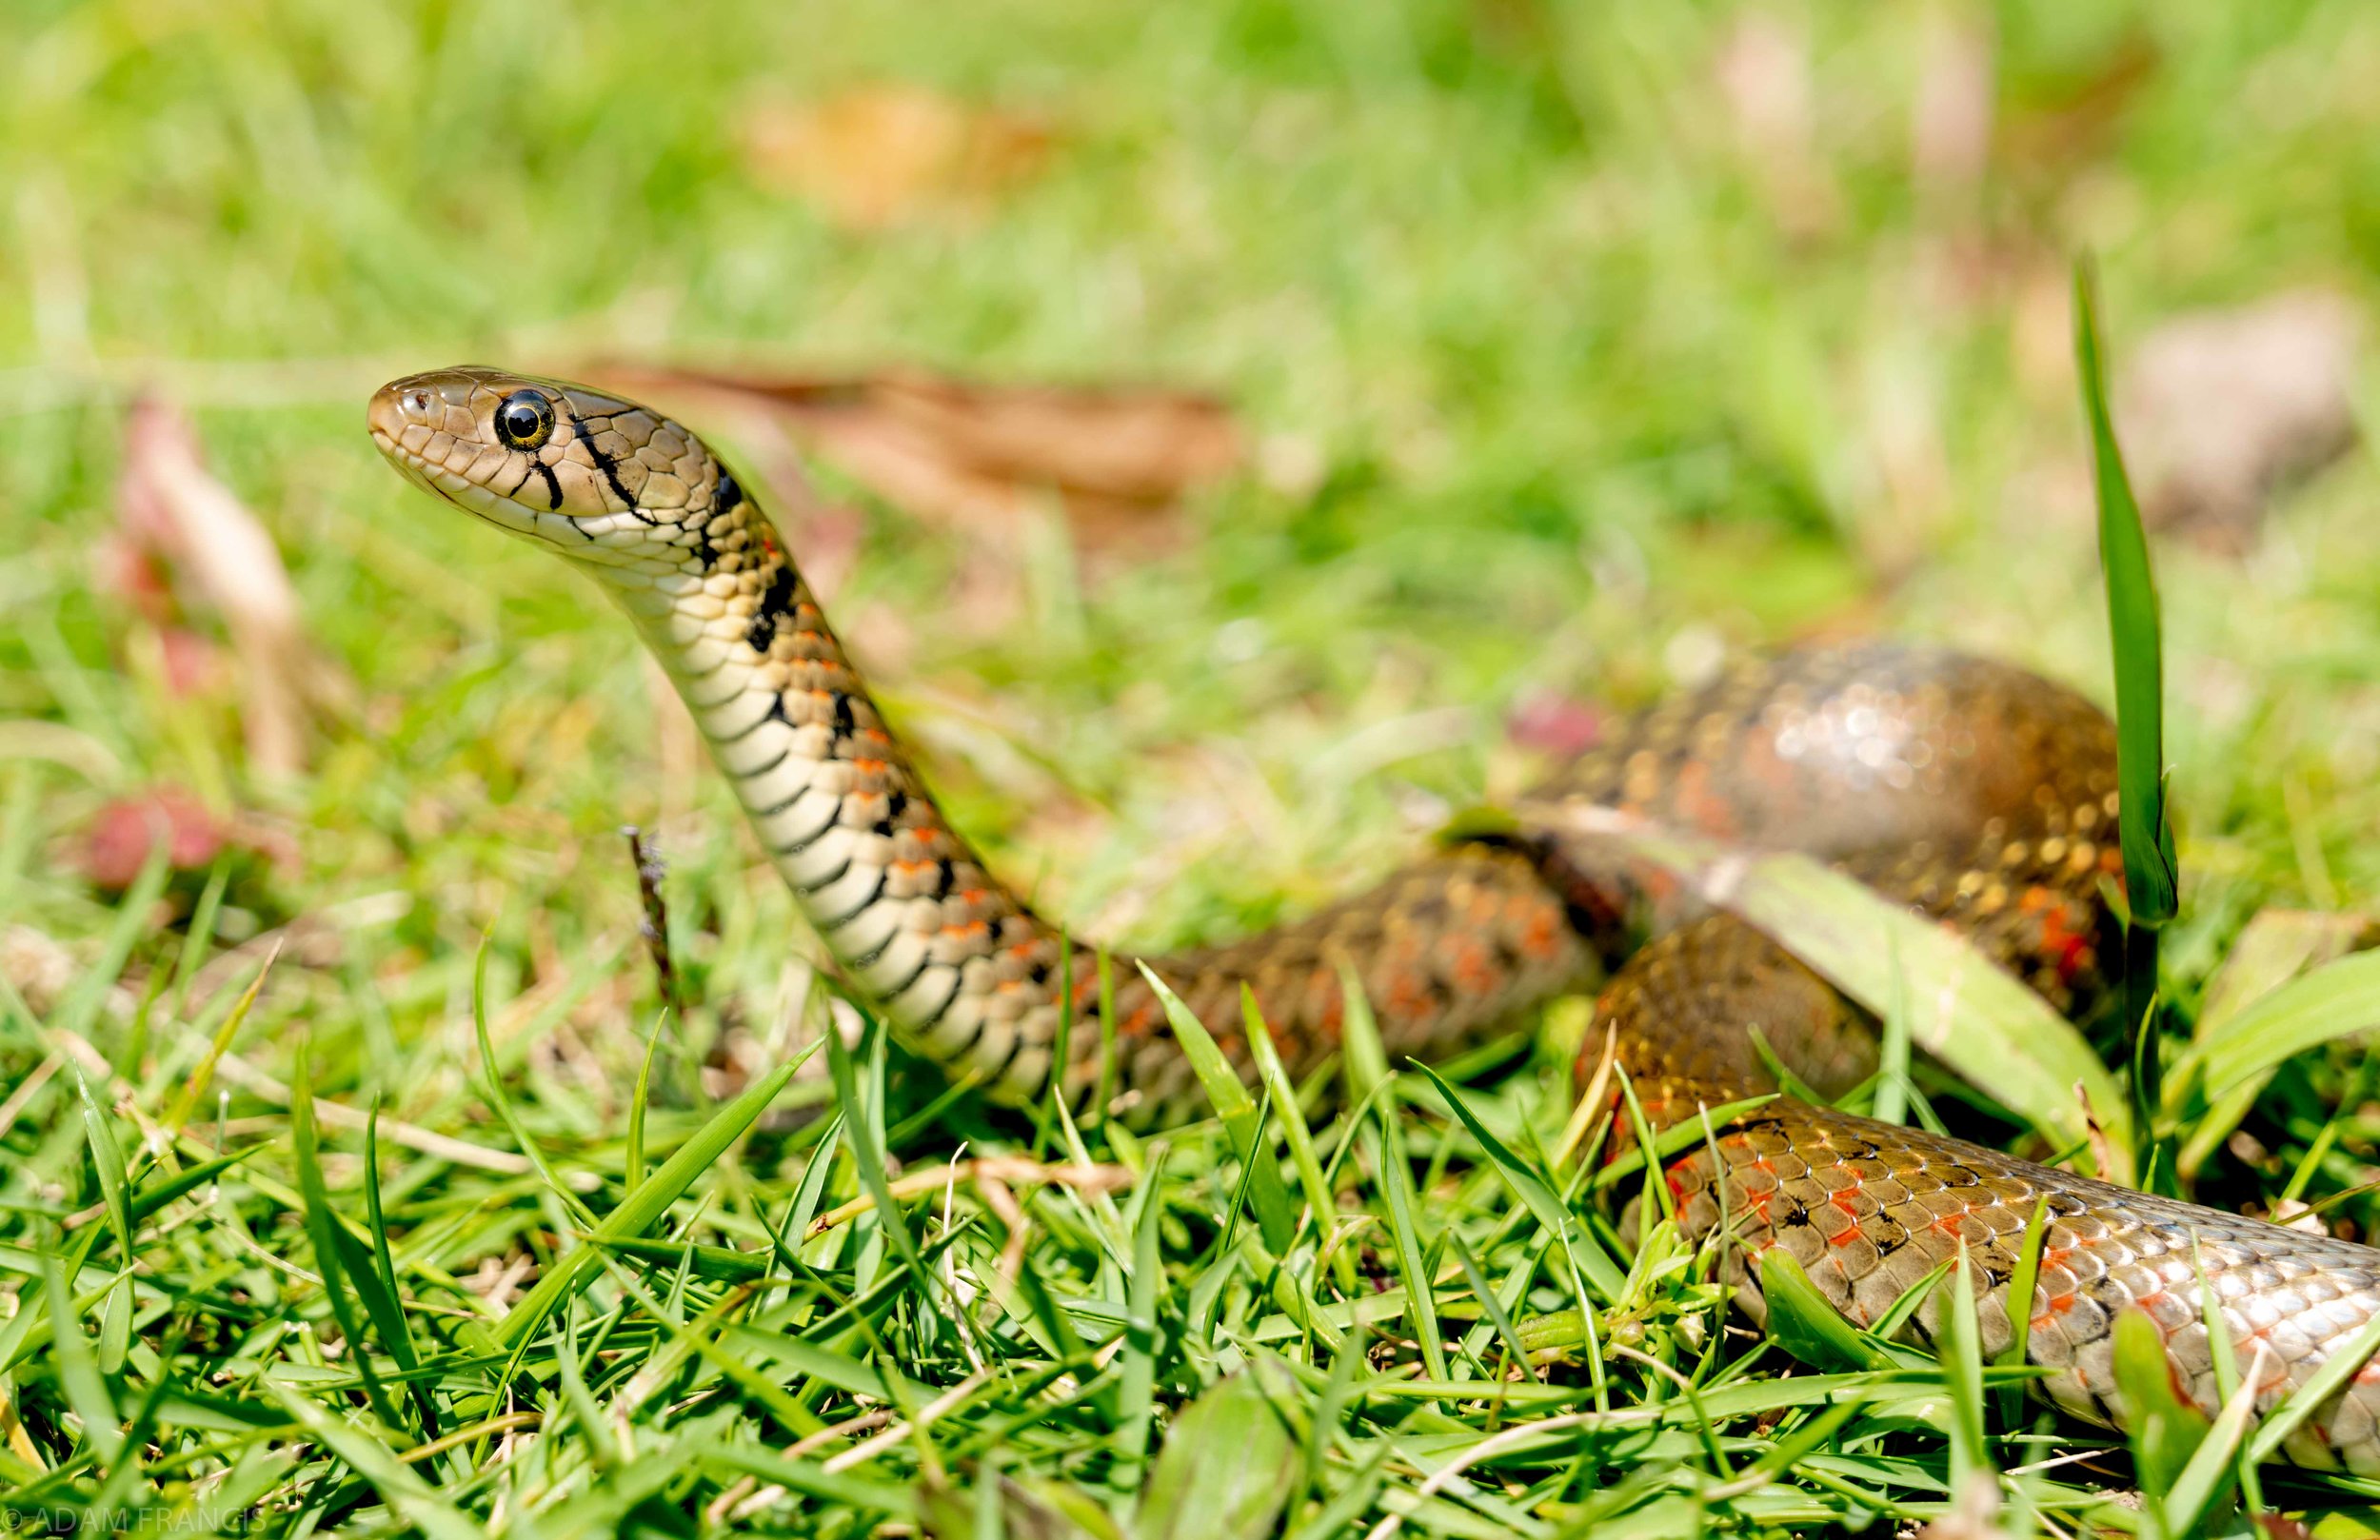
<point>1974,791</point>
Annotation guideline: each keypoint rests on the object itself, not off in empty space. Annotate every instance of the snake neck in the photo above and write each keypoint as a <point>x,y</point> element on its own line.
<point>957,962</point>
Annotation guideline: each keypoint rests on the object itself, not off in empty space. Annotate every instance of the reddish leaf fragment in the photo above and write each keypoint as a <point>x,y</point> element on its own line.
<point>120,839</point>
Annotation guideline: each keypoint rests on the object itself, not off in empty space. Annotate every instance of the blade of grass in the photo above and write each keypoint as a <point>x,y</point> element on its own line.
<point>1225,1471</point>
<point>322,1229</point>
<point>1321,1201</point>
<point>2227,1379</point>
<point>2166,1430</point>
<point>1962,1369</point>
<point>632,1170</point>
<point>115,1330</point>
<point>868,1157</point>
<point>1892,1086</point>
<point>1137,1389</point>
<point>1533,1188</point>
<point>644,1207</point>
<point>1385,1147</point>
<point>2334,1001</point>
<point>2143,825</point>
<point>412,1498</point>
<point>2021,1286</point>
<point>2320,1386</point>
<point>2276,946</point>
<point>2203,1482</point>
<point>185,1100</point>
<point>78,1374</point>
<point>1803,1321</point>
<point>1268,1195</point>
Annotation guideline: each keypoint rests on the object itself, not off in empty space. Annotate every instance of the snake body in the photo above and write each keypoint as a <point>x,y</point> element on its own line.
<point>1974,791</point>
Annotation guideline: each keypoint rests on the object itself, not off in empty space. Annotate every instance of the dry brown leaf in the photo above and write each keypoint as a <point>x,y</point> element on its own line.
<point>973,455</point>
<point>885,154</point>
<point>2220,408</point>
<point>186,532</point>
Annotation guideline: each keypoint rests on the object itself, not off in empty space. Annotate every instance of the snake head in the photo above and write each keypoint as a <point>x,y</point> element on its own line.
<point>602,479</point>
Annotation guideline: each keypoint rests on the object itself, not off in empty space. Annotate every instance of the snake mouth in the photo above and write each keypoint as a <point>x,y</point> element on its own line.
<point>414,424</point>
<point>479,501</point>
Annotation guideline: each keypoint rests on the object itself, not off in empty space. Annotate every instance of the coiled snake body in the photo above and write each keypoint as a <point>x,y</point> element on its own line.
<point>1976,792</point>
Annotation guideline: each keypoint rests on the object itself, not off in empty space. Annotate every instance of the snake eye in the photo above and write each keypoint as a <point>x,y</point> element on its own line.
<point>524,420</point>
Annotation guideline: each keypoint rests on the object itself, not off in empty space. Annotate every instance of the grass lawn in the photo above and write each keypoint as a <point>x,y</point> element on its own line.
<point>1573,348</point>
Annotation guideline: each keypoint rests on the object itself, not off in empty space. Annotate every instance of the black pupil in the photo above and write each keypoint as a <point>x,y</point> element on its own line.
<point>521,418</point>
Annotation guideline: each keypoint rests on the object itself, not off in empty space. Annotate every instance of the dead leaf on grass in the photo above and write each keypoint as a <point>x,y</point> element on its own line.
<point>2221,408</point>
<point>974,456</point>
<point>887,154</point>
<point>188,542</point>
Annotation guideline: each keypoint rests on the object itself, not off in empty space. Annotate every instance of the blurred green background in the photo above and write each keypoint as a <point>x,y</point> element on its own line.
<point>1569,347</point>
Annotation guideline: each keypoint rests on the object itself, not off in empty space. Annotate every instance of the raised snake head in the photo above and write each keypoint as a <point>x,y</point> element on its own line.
<point>604,480</point>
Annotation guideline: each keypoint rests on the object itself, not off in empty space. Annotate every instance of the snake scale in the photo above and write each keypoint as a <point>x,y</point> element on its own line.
<point>1976,792</point>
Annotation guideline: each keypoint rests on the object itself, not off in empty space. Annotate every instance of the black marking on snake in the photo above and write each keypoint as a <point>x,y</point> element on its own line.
<point>772,812</point>
<point>748,730</point>
<point>798,846</point>
<point>875,891</point>
<point>1799,1213</point>
<point>757,771</point>
<point>806,889</point>
<point>998,1072</point>
<point>947,873</point>
<point>776,600</point>
<point>943,1010</point>
<point>553,485</point>
<point>726,496</point>
<point>610,468</point>
<point>926,961</point>
<point>845,724</point>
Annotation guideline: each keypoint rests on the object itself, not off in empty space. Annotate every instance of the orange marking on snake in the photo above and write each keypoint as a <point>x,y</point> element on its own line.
<point>2069,950</point>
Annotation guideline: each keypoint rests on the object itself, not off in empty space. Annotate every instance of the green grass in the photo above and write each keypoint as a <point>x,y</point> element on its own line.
<point>1561,384</point>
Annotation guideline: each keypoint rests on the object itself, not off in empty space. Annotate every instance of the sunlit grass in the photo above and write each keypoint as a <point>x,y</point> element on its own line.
<point>1558,379</point>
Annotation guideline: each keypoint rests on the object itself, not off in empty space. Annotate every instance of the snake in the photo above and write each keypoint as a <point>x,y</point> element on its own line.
<point>1978,793</point>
